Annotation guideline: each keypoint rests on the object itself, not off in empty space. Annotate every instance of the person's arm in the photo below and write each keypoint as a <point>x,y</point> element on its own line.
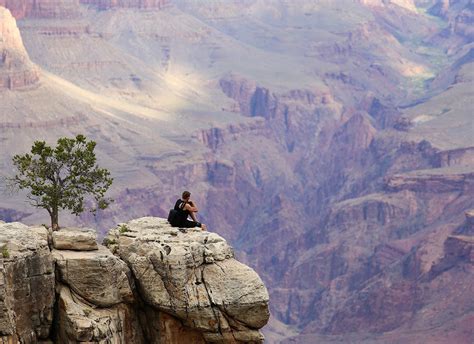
<point>191,208</point>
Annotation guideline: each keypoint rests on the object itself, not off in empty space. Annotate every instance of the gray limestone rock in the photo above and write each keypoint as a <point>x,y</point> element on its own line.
<point>82,322</point>
<point>193,276</point>
<point>97,276</point>
<point>26,284</point>
<point>77,239</point>
<point>161,285</point>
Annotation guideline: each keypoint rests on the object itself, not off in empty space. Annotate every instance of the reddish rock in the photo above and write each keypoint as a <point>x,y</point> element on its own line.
<point>456,157</point>
<point>432,182</point>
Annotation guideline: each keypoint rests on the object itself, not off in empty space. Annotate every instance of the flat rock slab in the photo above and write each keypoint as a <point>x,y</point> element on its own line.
<point>76,239</point>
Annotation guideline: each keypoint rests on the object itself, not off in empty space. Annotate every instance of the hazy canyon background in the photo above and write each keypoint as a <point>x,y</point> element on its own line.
<point>331,142</point>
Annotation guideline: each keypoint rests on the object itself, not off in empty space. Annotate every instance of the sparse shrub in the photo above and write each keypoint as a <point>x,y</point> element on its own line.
<point>5,253</point>
<point>123,229</point>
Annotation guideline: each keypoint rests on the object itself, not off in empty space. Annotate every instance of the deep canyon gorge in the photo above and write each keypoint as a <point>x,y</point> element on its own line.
<point>330,142</point>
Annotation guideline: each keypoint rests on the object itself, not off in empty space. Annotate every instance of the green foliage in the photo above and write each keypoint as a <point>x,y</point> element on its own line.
<point>62,177</point>
<point>123,228</point>
<point>5,253</point>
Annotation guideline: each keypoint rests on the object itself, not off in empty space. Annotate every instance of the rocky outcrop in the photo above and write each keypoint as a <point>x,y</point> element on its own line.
<point>66,9</point>
<point>162,285</point>
<point>26,284</point>
<point>457,249</point>
<point>456,157</point>
<point>406,4</point>
<point>194,277</point>
<point>432,181</point>
<point>71,9</point>
<point>75,239</point>
<point>16,69</point>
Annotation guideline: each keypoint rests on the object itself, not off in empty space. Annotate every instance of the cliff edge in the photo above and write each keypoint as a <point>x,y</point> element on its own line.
<point>148,283</point>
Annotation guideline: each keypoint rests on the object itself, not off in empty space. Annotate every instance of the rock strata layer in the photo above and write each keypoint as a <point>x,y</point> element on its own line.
<point>75,239</point>
<point>162,285</point>
<point>26,284</point>
<point>143,4</point>
<point>16,69</point>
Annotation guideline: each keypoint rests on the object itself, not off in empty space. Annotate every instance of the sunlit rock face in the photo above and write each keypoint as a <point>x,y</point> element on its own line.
<point>16,69</point>
<point>152,284</point>
<point>27,279</point>
<point>194,277</point>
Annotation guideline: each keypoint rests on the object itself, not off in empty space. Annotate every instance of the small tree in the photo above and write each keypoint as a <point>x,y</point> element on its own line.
<point>61,177</point>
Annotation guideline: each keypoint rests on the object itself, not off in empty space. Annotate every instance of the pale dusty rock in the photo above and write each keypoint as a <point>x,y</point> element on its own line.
<point>81,322</point>
<point>143,4</point>
<point>43,232</point>
<point>97,276</point>
<point>42,8</point>
<point>178,287</point>
<point>16,69</point>
<point>77,239</point>
<point>26,285</point>
<point>193,276</point>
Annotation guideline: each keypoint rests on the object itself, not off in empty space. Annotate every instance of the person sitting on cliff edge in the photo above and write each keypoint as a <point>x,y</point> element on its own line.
<point>185,207</point>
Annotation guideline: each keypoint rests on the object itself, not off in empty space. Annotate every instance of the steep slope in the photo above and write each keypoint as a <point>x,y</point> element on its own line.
<point>16,69</point>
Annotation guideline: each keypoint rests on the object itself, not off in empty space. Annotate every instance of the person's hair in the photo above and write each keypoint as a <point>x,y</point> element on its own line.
<point>186,194</point>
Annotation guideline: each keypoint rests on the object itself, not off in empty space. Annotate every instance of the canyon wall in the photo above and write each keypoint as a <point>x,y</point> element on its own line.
<point>336,155</point>
<point>16,69</point>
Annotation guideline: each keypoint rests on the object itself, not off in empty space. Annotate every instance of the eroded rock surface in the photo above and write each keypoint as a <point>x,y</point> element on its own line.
<point>161,286</point>
<point>193,276</point>
<point>26,284</point>
<point>97,276</point>
<point>75,239</point>
<point>16,69</point>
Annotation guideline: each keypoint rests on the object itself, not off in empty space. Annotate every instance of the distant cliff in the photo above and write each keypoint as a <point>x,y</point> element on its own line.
<point>16,69</point>
<point>151,284</point>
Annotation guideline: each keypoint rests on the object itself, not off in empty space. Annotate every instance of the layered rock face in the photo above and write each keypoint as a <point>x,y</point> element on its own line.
<point>143,4</point>
<point>27,282</point>
<point>161,286</point>
<point>71,9</point>
<point>42,8</point>
<point>16,69</point>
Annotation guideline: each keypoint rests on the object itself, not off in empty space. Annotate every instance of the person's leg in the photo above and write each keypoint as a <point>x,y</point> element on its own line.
<point>193,224</point>
<point>198,224</point>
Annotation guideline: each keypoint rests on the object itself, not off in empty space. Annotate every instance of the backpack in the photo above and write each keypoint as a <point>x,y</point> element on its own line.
<point>174,215</point>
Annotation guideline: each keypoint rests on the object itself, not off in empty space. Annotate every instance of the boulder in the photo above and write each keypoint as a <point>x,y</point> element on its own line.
<point>193,276</point>
<point>77,239</point>
<point>161,285</point>
<point>82,322</point>
<point>97,276</point>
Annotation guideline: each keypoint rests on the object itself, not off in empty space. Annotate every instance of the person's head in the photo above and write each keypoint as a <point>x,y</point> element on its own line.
<point>185,196</point>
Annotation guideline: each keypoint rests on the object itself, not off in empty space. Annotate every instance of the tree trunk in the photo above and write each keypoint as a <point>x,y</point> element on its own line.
<point>55,219</point>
